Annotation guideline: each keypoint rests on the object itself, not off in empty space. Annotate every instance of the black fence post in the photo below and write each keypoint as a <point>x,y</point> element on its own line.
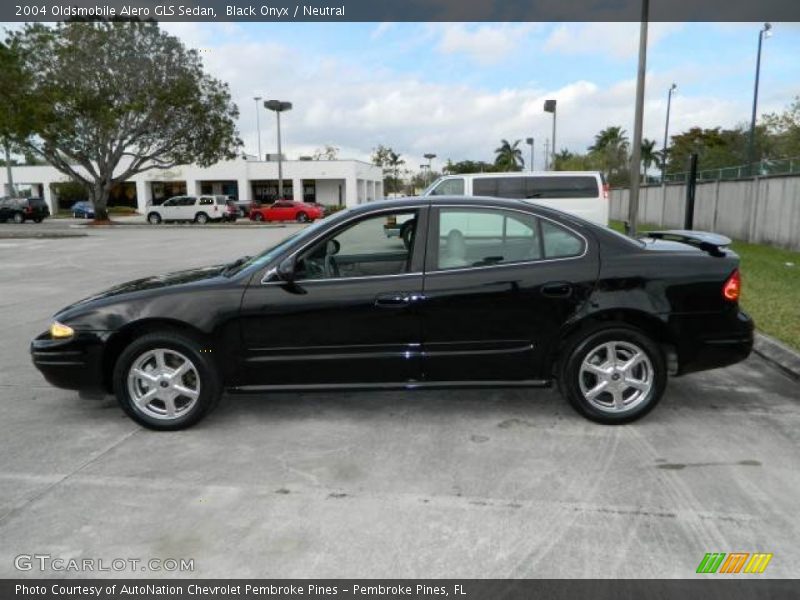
<point>691,185</point>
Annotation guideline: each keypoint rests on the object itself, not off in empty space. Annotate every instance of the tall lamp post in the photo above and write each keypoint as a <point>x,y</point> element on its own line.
<point>258,124</point>
<point>530,141</point>
<point>430,156</point>
<point>636,154</point>
<point>278,106</point>
<point>672,89</point>
<point>765,31</point>
<point>550,106</point>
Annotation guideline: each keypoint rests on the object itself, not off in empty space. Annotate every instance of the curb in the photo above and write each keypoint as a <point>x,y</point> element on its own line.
<point>778,353</point>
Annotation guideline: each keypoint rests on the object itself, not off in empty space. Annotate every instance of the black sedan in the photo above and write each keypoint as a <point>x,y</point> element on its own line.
<point>483,293</point>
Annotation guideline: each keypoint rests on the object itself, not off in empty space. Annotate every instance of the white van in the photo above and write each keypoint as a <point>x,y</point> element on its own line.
<point>582,193</point>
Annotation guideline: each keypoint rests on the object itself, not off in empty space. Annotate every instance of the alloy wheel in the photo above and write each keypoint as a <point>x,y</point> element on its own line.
<point>163,384</point>
<point>616,376</point>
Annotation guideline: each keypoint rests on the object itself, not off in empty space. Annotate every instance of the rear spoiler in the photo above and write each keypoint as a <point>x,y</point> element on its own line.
<point>705,240</point>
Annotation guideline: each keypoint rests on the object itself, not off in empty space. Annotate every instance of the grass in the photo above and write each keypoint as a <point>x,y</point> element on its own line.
<point>770,287</point>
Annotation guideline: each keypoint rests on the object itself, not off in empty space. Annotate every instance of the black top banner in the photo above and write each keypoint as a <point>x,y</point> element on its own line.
<point>403,10</point>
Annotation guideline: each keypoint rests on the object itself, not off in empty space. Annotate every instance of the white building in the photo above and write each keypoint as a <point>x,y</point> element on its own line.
<point>327,182</point>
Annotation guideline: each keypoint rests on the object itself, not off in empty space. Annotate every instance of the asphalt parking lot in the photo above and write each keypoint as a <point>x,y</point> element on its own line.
<point>505,483</point>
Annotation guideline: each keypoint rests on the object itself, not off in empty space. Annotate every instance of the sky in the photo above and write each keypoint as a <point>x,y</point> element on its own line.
<point>456,89</point>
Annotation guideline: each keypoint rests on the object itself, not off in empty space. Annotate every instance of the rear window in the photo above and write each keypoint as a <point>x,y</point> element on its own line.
<point>35,202</point>
<point>543,186</point>
<point>223,200</point>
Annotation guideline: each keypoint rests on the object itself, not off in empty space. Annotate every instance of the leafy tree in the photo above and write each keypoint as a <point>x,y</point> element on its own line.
<point>509,156</point>
<point>103,101</point>
<point>468,166</point>
<point>391,163</point>
<point>328,152</point>
<point>561,158</point>
<point>784,129</point>
<point>567,161</point>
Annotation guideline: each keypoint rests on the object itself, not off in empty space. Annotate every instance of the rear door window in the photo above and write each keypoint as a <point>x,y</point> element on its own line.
<point>484,186</point>
<point>567,186</point>
<point>481,237</point>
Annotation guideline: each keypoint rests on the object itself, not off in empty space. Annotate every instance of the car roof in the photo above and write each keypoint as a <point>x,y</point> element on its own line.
<point>525,174</point>
<point>411,201</point>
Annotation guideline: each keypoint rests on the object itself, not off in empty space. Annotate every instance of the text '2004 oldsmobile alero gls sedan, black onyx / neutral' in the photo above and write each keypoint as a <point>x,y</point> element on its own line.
<point>473,292</point>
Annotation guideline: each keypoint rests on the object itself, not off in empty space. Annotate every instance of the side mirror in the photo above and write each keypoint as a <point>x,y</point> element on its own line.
<point>286,269</point>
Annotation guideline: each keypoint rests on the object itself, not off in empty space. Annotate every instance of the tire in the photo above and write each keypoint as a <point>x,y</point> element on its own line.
<point>302,217</point>
<point>259,217</point>
<point>596,359</point>
<point>38,220</point>
<point>174,403</point>
<point>154,218</point>
<point>407,234</point>
<point>18,218</point>
<point>201,218</point>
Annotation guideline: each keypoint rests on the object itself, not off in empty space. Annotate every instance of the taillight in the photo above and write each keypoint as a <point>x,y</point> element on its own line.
<point>606,189</point>
<point>27,209</point>
<point>732,287</point>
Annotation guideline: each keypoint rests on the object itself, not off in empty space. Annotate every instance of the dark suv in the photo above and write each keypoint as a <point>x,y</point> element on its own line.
<point>20,210</point>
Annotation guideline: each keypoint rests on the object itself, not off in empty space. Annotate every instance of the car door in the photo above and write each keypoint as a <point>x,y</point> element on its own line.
<point>169,209</point>
<point>349,316</point>
<point>499,284</point>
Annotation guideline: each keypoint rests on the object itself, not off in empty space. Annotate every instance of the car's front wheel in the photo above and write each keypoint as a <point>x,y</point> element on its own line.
<point>201,218</point>
<point>613,375</point>
<point>163,381</point>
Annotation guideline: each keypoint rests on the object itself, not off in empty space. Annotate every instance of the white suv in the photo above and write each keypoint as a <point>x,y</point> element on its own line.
<point>200,209</point>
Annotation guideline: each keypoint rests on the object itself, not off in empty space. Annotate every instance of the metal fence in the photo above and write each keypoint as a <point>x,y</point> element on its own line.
<point>765,168</point>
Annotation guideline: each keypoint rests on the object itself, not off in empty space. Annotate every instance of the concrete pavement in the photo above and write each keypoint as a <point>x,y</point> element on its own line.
<point>503,483</point>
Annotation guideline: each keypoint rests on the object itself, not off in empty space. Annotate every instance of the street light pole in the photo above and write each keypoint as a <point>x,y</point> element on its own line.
<point>530,141</point>
<point>550,106</point>
<point>258,124</point>
<point>636,158</point>
<point>430,156</point>
<point>672,89</point>
<point>762,33</point>
<point>279,106</point>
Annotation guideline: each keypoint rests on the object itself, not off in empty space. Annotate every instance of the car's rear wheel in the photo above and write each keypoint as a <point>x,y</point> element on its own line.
<point>37,220</point>
<point>18,218</point>
<point>259,217</point>
<point>613,375</point>
<point>201,218</point>
<point>302,217</point>
<point>163,381</point>
<point>154,218</point>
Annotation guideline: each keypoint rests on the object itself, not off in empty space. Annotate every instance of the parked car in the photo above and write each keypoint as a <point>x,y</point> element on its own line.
<point>491,293</point>
<point>581,193</point>
<point>83,209</point>
<point>20,210</point>
<point>287,210</point>
<point>200,209</point>
<point>244,207</point>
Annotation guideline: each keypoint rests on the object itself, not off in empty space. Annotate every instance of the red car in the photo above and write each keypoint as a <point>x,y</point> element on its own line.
<point>287,210</point>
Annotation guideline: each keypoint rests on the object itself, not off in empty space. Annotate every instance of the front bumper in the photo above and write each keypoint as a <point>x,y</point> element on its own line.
<point>716,341</point>
<point>74,363</point>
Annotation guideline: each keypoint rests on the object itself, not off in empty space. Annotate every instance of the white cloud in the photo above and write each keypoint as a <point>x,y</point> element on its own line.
<point>618,40</point>
<point>484,44</point>
<point>380,30</point>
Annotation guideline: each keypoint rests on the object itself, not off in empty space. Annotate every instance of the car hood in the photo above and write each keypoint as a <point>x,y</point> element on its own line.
<point>174,279</point>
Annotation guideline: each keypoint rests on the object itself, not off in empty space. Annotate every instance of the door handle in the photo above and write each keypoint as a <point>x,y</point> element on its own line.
<point>397,299</point>
<point>557,289</point>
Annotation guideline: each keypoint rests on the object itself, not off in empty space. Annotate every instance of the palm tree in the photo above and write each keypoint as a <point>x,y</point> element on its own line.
<point>562,157</point>
<point>394,161</point>
<point>649,154</point>
<point>509,156</point>
<point>611,146</point>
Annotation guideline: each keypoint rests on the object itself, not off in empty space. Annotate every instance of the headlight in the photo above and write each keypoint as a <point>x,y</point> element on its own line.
<point>60,331</point>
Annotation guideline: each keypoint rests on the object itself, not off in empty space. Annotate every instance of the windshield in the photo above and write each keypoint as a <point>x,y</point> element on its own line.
<point>272,252</point>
